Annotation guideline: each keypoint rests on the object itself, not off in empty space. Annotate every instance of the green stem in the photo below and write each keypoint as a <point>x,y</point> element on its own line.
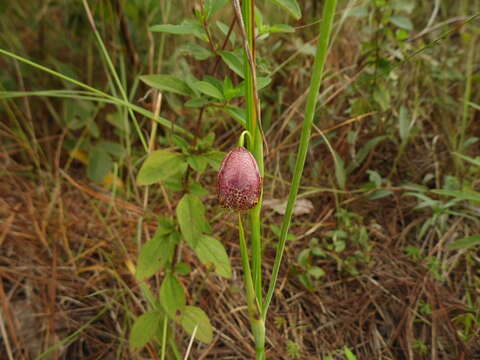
<point>258,330</point>
<point>247,272</point>
<point>255,146</point>
<point>320,58</point>
<point>164,338</point>
<point>241,138</point>
<point>254,313</point>
<point>247,24</point>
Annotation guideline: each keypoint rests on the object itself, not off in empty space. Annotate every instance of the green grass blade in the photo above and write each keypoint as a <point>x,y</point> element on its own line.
<point>114,100</point>
<point>320,58</point>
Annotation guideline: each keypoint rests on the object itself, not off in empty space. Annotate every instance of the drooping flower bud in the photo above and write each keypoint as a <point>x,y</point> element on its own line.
<point>239,183</point>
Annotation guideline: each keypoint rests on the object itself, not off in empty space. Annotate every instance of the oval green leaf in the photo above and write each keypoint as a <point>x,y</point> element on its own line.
<point>195,318</point>
<point>191,217</point>
<point>144,329</point>
<point>172,296</point>
<point>465,242</point>
<point>159,166</point>
<point>234,61</point>
<point>155,254</point>
<point>210,251</point>
<point>99,164</point>
<point>208,89</point>
<point>167,83</point>
<point>402,22</point>
<point>291,6</point>
<point>187,27</point>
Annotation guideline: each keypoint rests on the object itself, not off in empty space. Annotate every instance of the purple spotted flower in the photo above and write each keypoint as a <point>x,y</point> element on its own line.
<point>239,182</point>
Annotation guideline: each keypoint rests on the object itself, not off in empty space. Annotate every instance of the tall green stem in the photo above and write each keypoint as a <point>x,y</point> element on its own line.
<point>320,58</point>
<point>255,146</point>
<point>246,20</point>
<point>254,312</point>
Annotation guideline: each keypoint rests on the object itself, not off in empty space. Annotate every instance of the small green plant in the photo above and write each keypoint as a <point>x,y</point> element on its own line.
<point>453,196</point>
<point>175,169</point>
<point>346,352</point>
<point>213,92</point>
<point>420,347</point>
<point>309,273</point>
<point>293,349</point>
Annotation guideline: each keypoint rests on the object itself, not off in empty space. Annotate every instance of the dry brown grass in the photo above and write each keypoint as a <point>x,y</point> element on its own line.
<point>65,280</point>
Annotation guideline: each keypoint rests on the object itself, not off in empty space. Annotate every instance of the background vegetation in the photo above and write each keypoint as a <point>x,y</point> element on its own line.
<point>382,258</point>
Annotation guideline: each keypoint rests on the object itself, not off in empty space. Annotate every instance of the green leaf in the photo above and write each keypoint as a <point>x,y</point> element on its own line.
<point>473,161</point>
<point>378,194</point>
<point>364,151</point>
<point>403,124</point>
<point>291,6</point>
<point>382,97</point>
<point>316,272</point>
<point>374,178</point>
<point>340,172</point>
<point>210,251</point>
<point>114,149</point>
<point>165,226</point>
<point>196,189</point>
<point>144,329</point>
<point>215,158</point>
<point>234,61</point>
<point>207,141</point>
<point>156,253</point>
<point>194,317</point>
<point>463,195</point>
<point>224,28</point>
<point>349,354</point>
<point>187,27</point>
<point>212,6</point>
<point>168,83</point>
<point>172,296</point>
<point>237,113</point>
<point>99,164</point>
<point>357,11</point>
<point>402,22</point>
<point>197,162</point>
<point>277,28</point>
<point>197,102</point>
<point>117,119</point>
<point>209,89</point>
<point>404,5</point>
<point>78,114</point>
<point>401,34</point>
<point>197,51</point>
<point>262,82</point>
<point>159,166</point>
<point>182,269</point>
<point>181,143</point>
<point>465,242</point>
<point>191,217</point>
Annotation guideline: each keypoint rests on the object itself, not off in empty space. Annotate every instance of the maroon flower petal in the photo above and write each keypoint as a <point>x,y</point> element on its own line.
<point>239,182</point>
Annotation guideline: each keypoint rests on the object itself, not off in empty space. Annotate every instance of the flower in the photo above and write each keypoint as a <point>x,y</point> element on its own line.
<point>239,183</point>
